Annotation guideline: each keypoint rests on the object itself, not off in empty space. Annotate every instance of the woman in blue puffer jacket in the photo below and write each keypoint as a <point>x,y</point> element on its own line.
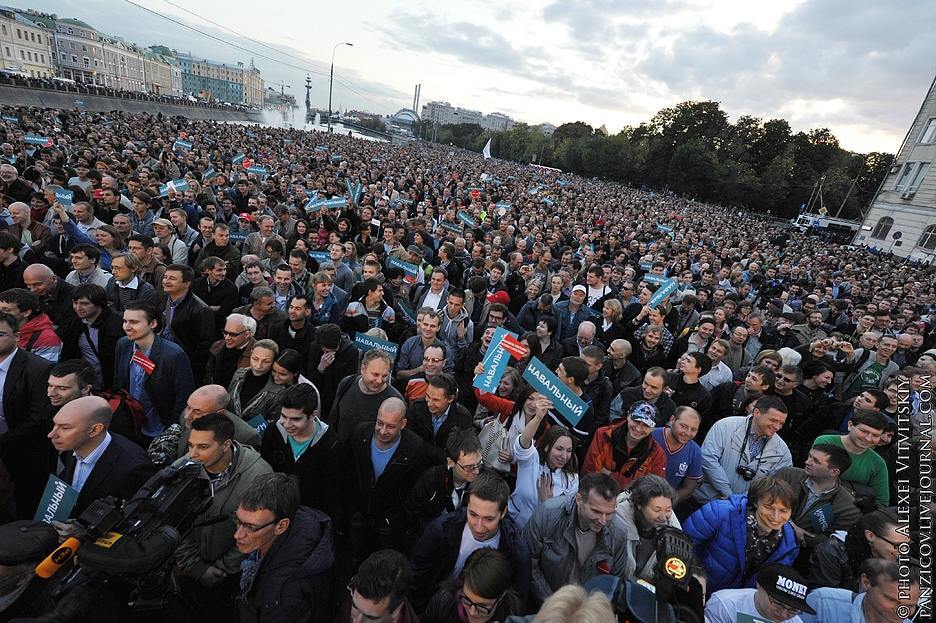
<point>734,537</point>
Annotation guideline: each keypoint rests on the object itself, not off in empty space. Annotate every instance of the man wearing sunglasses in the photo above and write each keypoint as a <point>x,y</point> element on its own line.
<point>232,351</point>
<point>286,575</point>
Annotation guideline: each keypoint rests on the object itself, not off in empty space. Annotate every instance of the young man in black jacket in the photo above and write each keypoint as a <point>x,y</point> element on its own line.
<point>287,573</point>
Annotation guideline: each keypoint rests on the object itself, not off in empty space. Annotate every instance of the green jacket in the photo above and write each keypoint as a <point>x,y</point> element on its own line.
<point>213,544</point>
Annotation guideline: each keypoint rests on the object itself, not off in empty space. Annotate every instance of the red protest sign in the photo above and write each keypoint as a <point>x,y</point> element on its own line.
<point>475,193</point>
<point>513,347</point>
<point>247,163</point>
<point>183,134</point>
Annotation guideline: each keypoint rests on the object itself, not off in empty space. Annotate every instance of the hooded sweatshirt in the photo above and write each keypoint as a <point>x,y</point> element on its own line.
<point>39,337</point>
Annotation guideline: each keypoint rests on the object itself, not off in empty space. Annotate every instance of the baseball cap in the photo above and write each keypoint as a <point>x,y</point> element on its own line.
<point>245,217</point>
<point>785,585</point>
<point>579,288</point>
<point>643,412</point>
<point>414,249</point>
<point>499,297</point>
<point>164,222</point>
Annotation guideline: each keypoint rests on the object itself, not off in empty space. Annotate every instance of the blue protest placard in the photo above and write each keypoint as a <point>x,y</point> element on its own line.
<point>665,290</point>
<point>63,196</point>
<point>409,316</point>
<point>33,139</point>
<point>258,170</point>
<point>369,342</point>
<point>452,227</point>
<point>664,228</point>
<point>58,500</point>
<point>646,266</point>
<point>209,174</point>
<point>654,278</point>
<point>549,202</point>
<point>179,186</point>
<point>320,256</point>
<point>180,144</point>
<point>314,204</point>
<point>337,202</point>
<point>466,218</point>
<point>503,205</point>
<point>336,159</point>
<point>321,148</point>
<point>495,362</point>
<point>259,423</point>
<point>238,158</point>
<point>10,119</point>
<point>543,380</point>
<point>410,271</point>
<point>354,190</point>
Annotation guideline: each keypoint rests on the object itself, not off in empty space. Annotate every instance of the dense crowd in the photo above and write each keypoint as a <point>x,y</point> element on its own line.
<point>310,317</point>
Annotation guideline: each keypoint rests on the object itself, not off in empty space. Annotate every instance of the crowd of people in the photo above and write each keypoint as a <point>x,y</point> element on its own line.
<point>306,315</point>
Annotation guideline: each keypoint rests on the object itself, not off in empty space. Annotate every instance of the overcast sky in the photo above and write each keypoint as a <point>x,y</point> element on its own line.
<point>858,67</point>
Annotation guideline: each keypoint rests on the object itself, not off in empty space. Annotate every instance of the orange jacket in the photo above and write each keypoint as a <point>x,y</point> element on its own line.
<point>601,455</point>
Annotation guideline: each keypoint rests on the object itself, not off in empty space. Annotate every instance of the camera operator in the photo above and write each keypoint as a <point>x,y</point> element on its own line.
<point>208,560</point>
<point>286,575</point>
<point>94,461</point>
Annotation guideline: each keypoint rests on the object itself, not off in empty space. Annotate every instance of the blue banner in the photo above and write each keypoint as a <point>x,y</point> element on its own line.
<point>63,196</point>
<point>10,119</point>
<point>320,256</point>
<point>665,290</point>
<point>336,159</point>
<point>410,270</point>
<point>58,500</point>
<point>355,191</point>
<point>258,170</point>
<point>32,139</point>
<point>238,159</point>
<point>549,202</point>
<point>183,145</point>
<point>452,227</point>
<point>654,278</point>
<point>337,202</point>
<point>179,186</point>
<point>210,173</point>
<point>369,342</point>
<point>314,204</point>
<point>321,148</point>
<point>664,228</point>
<point>465,218</point>
<point>543,380</point>
<point>495,362</point>
<point>646,266</point>
<point>407,311</point>
<point>503,205</point>
<point>259,424</point>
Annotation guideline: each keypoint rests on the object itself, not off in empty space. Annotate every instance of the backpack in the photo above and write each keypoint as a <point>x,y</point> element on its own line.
<point>128,413</point>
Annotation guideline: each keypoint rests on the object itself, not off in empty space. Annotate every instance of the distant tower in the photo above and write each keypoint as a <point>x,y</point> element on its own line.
<point>309,116</point>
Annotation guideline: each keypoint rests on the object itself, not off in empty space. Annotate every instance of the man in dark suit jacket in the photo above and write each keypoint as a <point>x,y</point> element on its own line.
<point>24,417</point>
<point>93,312</point>
<point>376,494</point>
<point>436,415</point>
<point>584,337</point>
<point>185,319</point>
<point>162,367</point>
<point>93,460</point>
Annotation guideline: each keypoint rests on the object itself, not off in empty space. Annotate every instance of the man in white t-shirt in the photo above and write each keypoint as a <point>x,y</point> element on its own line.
<point>780,597</point>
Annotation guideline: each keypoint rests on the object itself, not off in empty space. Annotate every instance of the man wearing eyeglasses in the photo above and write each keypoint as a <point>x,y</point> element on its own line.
<point>377,594</point>
<point>286,575</point>
<point>231,352</point>
<point>435,358</point>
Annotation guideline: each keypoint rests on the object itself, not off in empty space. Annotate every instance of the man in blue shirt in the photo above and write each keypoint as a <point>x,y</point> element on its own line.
<point>881,600</point>
<point>683,454</point>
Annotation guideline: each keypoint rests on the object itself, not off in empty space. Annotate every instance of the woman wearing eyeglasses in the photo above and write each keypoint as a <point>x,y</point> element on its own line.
<point>481,593</point>
<point>734,537</point>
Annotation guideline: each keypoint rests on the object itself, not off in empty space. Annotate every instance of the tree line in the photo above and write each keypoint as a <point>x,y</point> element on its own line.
<point>692,149</point>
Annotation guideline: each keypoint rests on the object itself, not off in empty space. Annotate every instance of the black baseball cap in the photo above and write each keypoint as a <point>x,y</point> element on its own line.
<point>786,585</point>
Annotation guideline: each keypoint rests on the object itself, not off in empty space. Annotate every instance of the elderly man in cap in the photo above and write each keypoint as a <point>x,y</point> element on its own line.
<point>780,597</point>
<point>574,312</point>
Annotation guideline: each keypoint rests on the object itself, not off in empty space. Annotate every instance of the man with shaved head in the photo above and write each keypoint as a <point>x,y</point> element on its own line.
<point>55,293</point>
<point>93,460</point>
<point>205,400</point>
<point>621,372</point>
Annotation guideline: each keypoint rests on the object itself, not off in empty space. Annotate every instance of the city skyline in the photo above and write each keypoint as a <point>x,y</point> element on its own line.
<point>853,67</point>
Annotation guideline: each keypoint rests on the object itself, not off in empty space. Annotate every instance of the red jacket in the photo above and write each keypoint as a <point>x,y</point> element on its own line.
<point>601,455</point>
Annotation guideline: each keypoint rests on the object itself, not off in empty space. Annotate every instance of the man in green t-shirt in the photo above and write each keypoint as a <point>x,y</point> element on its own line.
<point>868,468</point>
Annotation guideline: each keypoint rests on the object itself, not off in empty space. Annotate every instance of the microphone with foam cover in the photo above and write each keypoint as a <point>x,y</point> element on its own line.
<point>54,561</point>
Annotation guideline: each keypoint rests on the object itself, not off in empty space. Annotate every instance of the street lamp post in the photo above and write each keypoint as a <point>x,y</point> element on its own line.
<point>331,78</point>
